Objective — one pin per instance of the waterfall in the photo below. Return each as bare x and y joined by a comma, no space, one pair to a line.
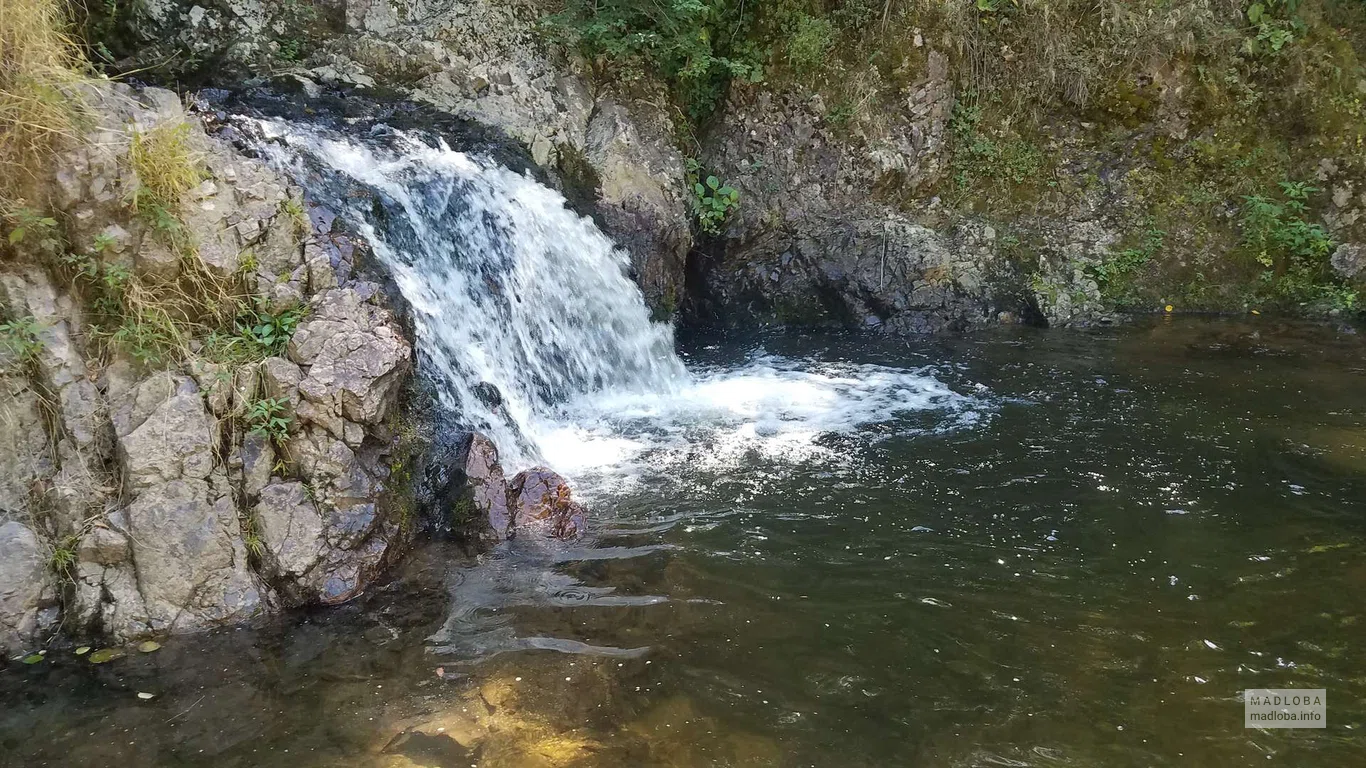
520,304
536,335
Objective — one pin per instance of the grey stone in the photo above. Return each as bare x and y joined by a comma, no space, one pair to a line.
26,587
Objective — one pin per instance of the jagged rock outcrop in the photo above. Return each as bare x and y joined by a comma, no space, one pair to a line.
28,595
325,536
818,240
484,61
152,495
536,502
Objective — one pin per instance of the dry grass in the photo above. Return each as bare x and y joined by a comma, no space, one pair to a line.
41,70
166,165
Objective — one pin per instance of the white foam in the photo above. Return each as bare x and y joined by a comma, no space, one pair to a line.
511,288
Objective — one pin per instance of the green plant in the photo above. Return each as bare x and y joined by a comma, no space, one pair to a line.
810,41
696,46
167,167
1275,24
270,417
266,333
32,229
1292,252
1115,274
20,338
294,209
64,557
712,200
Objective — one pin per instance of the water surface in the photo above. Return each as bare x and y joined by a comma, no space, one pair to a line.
1018,548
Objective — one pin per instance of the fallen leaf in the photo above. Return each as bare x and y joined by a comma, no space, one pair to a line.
147,646
83,650
145,696
33,658
106,654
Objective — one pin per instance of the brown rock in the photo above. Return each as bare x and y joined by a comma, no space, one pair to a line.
541,502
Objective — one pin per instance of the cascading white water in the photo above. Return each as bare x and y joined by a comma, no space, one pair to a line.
512,289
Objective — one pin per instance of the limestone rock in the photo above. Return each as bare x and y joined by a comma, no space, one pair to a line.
191,565
24,455
173,440
356,357
291,530
640,179
26,588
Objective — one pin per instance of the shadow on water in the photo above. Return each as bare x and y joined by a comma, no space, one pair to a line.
1079,556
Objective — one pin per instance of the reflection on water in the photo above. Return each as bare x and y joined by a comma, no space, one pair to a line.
1136,525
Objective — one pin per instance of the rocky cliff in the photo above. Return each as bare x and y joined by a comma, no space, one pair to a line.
908,167
197,393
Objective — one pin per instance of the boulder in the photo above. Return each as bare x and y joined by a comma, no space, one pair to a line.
27,592
291,531
480,501
542,504
355,356
189,557
165,433
1349,261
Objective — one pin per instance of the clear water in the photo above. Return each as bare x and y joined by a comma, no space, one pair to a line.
1018,548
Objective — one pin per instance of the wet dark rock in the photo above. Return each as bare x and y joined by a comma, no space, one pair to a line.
469,491
542,503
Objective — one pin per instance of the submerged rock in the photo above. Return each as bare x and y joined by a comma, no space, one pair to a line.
542,503
482,503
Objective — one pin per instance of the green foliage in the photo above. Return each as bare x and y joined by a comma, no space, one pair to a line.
1292,252
1115,275
20,338
979,156
64,557
696,46
270,417
1275,24
166,166
712,199
268,333
32,230
809,42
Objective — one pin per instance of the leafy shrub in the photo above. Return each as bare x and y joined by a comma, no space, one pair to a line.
20,338
696,46
270,417
712,200
1275,24
1292,252
810,42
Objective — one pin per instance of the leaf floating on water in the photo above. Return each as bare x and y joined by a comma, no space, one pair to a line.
146,696
106,654
148,646
1314,550
34,658
83,650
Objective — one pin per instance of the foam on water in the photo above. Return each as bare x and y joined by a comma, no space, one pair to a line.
511,288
